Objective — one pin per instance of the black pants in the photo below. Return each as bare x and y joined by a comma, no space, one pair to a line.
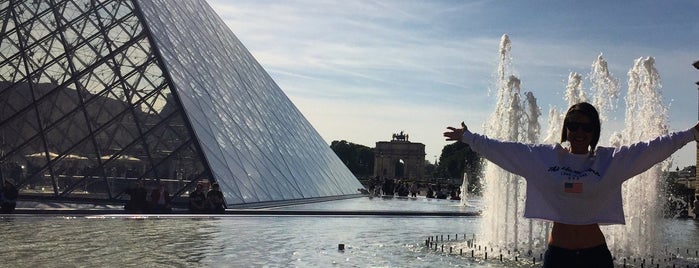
598,256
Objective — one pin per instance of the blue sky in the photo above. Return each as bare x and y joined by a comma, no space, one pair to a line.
363,70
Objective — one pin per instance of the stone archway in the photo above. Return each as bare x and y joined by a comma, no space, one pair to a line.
389,154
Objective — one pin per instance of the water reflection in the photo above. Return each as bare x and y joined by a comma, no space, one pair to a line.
225,241
255,241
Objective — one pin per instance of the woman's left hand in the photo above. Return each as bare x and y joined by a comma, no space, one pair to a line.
455,134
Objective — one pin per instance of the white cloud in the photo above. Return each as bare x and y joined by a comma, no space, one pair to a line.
362,70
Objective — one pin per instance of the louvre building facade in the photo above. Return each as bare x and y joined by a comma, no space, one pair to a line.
96,96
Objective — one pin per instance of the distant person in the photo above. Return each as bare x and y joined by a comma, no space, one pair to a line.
138,198
441,194
377,188
372,184
696,206
388,187
160,199
380,186
576,185
215,196
8,197
454,195
197,200
414,189
430,192
403,189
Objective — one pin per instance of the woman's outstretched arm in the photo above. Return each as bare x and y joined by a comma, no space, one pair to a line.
526,160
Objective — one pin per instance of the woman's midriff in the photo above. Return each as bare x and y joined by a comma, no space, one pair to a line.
576,236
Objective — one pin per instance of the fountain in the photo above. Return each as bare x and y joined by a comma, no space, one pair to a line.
646,118
464,190
517,120
503,225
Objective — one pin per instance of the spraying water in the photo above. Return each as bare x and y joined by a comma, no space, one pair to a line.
605,88
517,120
646,118
464,190
513,120
574,90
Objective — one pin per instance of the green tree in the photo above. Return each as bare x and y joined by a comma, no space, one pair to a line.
359,159
457,158
430,169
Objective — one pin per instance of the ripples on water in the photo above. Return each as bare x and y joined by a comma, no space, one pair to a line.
287,241
243,241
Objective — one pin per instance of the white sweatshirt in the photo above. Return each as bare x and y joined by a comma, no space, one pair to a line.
576,189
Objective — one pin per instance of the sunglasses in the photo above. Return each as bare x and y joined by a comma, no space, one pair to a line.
574,126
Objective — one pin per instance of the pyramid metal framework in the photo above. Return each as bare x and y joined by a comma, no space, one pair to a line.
98,95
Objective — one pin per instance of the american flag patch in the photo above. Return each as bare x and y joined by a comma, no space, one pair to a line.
573,187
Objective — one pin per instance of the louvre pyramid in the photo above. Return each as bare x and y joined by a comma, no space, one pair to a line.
97,95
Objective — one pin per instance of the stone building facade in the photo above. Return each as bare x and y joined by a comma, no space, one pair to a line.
399,158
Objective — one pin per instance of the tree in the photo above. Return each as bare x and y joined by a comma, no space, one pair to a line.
359,159
457,158
430,169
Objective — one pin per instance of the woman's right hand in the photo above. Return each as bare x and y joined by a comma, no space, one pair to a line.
455,134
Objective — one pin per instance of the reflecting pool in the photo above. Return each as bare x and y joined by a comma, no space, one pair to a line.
260,241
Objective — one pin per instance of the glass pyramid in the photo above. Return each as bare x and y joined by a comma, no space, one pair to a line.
98,95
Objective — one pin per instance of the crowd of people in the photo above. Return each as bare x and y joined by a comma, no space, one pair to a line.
144,201
390,187
201,200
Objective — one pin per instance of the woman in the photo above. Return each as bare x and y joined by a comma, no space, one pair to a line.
578,186
216,201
